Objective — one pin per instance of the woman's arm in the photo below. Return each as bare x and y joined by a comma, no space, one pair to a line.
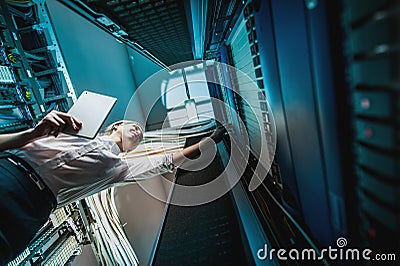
194,150
51,125
141,168
16,140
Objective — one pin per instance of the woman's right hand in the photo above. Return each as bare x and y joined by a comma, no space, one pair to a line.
219,133
54,122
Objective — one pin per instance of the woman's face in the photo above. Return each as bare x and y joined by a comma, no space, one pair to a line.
131,135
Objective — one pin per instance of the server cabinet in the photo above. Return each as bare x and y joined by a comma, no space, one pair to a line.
285,47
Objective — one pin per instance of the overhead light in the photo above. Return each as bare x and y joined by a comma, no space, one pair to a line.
105,21
199,23
120,33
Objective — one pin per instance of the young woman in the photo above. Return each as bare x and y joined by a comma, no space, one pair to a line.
42,169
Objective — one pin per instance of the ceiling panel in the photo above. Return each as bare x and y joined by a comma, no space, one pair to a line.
159,26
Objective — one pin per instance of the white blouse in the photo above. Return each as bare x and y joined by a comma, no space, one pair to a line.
74,167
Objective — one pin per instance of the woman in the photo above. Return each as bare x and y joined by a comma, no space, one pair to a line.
43,170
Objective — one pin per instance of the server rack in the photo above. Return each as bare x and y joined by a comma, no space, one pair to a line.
371,49
33,81
330,72
248,103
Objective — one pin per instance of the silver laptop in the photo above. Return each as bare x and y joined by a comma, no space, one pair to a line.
92,109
